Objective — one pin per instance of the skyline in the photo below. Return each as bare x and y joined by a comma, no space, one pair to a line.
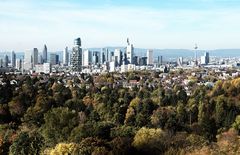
212,24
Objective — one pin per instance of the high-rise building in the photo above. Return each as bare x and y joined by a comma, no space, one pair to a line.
105,55
118,57
35,57
28,60
5,62
130,52
205,58
40,59
95,57
206,54
76,59
13,59
1,63
160,60
44,54
65,56
53,59
143,61
87,58
19,64
149,57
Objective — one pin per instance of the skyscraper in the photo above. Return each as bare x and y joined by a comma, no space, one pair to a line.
28,60
87,58
35,57
44,54
76,59
65,56
160,60
206,54
149,57
5,62
95,57
1,63
130,52
13,59
205,58
118,57
53,59
19,64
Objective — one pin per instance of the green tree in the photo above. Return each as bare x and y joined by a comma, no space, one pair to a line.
27,144
150,141
236,124
59,123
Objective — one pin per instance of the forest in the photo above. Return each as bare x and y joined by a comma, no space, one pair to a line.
90,115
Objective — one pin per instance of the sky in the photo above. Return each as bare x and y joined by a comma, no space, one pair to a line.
179,24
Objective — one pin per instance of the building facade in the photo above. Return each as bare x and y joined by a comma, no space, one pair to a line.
76,59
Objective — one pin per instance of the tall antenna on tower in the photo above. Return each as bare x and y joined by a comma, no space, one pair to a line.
195,48
128,41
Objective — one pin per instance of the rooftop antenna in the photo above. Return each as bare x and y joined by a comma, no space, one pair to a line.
128,41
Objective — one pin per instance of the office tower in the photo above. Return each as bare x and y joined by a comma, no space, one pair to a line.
136,60
160,60
1,63
76,59
35,57
205,58
149,57
5,62
44,54
105,55
206,54
130,52
40,59
87,58
118,57
95,57
19,64
108,56
57,59
53,59
65,56
13,59
28,60
143,61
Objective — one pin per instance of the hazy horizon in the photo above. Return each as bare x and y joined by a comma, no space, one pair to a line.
212,24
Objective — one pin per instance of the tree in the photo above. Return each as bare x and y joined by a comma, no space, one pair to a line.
90,145
59,123
150,141
130,116
206,122
26,144
236,124
63,148
75,104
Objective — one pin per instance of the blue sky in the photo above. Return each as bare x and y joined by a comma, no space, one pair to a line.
213,24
